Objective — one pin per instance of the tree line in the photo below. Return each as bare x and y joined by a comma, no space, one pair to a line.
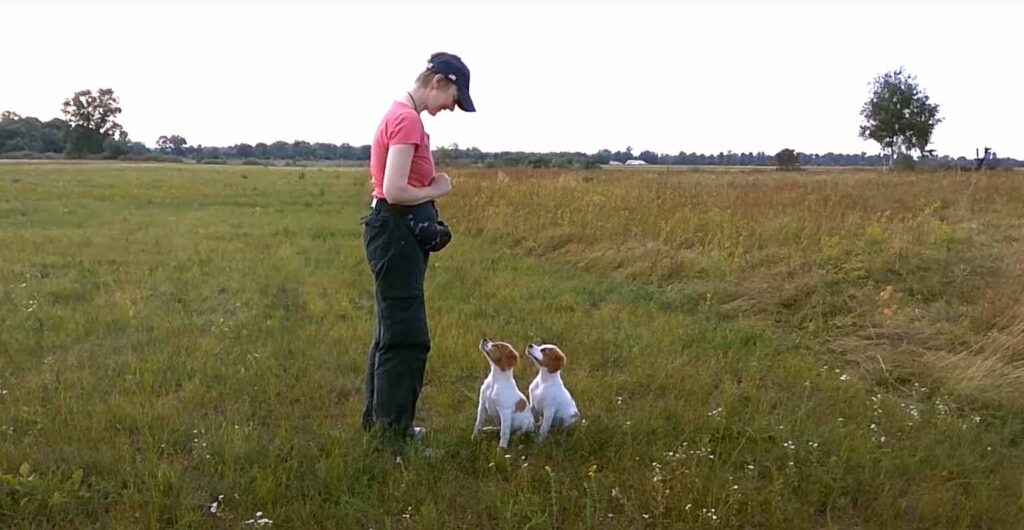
898,115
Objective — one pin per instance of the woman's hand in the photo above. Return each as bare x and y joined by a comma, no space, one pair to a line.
442,184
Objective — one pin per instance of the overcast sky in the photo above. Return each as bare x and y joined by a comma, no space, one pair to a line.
575,76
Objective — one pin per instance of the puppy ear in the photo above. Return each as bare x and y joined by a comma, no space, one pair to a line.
511,359
555,360
506,357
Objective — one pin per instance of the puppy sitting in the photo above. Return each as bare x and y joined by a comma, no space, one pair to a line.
499,395
549,398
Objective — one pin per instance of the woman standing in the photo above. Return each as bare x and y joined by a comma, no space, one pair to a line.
399,233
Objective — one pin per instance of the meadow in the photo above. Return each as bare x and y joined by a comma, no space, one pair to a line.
183,346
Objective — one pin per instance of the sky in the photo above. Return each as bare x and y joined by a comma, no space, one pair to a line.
545,76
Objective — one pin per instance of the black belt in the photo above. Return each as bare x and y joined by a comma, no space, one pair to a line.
384,205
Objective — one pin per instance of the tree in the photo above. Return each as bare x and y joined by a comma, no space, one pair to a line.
785,160
280,150
91,118
137,148
648,156
30,135
899,115
302,150
173,144
115,148
245,151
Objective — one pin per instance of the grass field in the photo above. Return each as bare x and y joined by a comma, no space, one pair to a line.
748,350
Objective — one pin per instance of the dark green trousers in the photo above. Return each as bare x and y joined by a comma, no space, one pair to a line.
401,341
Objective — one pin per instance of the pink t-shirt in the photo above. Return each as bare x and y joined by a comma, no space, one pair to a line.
401,125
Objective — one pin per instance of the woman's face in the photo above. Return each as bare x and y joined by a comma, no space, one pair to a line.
441,96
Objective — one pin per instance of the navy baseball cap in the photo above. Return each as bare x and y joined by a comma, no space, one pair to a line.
452,67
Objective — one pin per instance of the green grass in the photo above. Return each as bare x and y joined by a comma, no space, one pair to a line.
170,334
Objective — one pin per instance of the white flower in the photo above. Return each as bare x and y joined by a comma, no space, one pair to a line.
259,520
215,506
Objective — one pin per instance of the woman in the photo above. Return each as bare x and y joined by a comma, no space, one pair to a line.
400,231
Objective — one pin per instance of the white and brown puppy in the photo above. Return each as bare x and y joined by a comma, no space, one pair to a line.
499,396
549,398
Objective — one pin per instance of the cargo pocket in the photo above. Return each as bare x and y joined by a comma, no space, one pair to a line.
377,241
405,323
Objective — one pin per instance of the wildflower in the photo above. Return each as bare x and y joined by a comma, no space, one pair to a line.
215,506
259,520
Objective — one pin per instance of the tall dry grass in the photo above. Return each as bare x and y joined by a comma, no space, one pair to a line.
886,270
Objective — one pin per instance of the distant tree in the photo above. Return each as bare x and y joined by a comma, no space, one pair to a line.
603,156
116,147
280,149
302,150
28,134
173,144
786,159
209,152
648,156
137,148
325,151
91,118
899,115
245,151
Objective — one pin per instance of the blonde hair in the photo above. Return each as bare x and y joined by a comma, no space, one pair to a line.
427,76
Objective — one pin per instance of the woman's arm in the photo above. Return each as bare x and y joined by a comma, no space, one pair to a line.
396,178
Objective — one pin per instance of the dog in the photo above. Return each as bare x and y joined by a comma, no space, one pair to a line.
499,395
549,398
